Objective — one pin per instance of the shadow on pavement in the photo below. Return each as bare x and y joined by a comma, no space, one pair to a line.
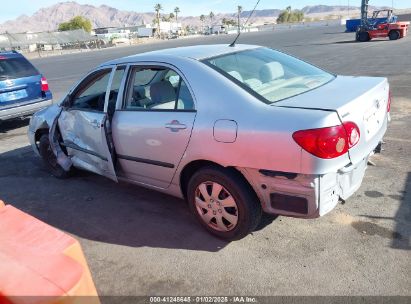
401,236
403,218
12,124
339,42
95,208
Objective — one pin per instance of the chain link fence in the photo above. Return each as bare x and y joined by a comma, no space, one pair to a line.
47,41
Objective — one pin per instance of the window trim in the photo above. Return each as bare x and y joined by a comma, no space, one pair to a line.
77,87
126,87
110,84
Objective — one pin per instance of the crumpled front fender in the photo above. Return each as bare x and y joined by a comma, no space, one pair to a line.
47,119
62,159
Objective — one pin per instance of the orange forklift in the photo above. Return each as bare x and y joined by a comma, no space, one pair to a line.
369,30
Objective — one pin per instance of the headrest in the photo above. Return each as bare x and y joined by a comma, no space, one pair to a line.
161,92
271,71
236,75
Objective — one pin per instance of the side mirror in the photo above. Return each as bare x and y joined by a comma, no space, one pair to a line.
66,102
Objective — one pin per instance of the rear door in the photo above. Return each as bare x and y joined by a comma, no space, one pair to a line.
152,127
20,82
84,124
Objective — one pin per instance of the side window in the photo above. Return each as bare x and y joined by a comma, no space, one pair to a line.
157,88
115,87
91,93
185,100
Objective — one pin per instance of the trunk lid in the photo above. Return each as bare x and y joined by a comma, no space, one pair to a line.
22,90
362,100
20,82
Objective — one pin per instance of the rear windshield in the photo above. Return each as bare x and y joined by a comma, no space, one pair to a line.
16,68
270,75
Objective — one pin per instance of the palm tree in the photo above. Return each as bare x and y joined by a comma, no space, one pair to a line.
158,7
177,10
239,10
202,19
211,16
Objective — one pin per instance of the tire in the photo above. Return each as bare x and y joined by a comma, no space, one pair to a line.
394,35
232,212
363,36
49,158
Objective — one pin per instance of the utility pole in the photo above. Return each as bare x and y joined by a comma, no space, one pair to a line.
239,10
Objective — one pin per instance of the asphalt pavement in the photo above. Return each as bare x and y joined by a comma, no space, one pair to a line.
140,242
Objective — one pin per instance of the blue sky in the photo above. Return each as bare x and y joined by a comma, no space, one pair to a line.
16,8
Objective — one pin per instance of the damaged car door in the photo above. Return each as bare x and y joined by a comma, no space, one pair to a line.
84,123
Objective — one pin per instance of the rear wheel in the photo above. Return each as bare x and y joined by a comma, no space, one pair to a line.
394,35
223,203
363,36
49,159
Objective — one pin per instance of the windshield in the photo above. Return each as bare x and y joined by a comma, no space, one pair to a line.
269,74
16,68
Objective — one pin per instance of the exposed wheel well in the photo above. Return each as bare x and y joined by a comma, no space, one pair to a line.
196,165
39,133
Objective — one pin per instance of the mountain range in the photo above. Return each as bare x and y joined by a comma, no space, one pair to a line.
48,19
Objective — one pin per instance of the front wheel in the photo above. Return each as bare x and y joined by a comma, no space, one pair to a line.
394,35
224,203
49,159
363,36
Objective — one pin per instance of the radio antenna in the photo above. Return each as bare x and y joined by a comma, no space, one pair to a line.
239,33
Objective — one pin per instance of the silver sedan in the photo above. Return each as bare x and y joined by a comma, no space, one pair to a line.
236,131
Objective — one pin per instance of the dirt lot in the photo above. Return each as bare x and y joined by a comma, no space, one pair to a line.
139,242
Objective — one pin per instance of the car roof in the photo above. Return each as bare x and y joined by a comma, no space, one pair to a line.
10,54
197,52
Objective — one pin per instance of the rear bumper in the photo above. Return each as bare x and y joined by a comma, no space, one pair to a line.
25,109
304,195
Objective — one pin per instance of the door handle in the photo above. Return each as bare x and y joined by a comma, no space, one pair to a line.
175,125
95,124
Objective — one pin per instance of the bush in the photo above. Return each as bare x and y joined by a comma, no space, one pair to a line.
76,23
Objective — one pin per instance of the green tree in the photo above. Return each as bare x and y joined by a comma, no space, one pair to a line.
290,16
158,7
76,23
177,11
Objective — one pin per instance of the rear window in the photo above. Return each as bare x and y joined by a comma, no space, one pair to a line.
16,68
269,75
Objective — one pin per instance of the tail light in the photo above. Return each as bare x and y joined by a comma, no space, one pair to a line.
330,142
389,102
353,133
44,84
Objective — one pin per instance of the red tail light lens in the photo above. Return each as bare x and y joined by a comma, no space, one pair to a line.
389,102
330,142
353,133
44,84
